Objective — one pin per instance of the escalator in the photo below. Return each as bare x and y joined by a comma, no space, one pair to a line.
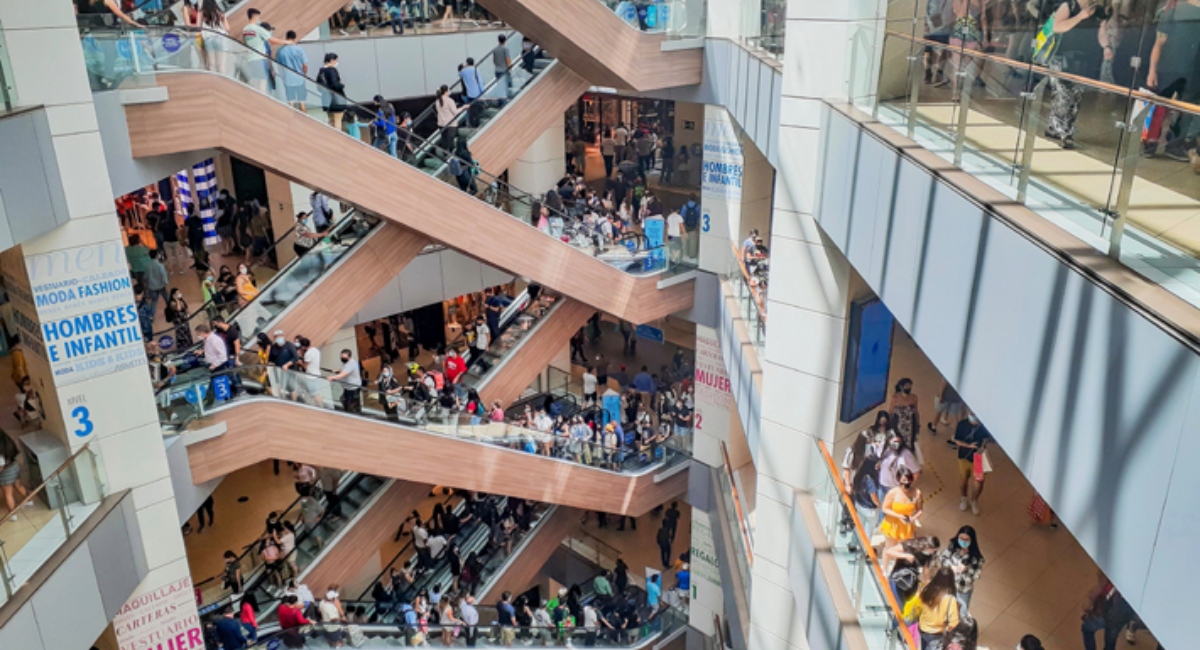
608,50
440,446
489,223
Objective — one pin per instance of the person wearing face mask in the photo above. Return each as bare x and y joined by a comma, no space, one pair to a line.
896,456
902,508
906,420
282,354
350,377
177,313
390,388
962,556
246,289
970,437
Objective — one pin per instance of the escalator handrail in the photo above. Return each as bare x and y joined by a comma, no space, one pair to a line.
389,565
452,88
513,192
662,453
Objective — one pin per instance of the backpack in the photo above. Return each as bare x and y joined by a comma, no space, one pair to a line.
691,216
455,166
906,579
439,380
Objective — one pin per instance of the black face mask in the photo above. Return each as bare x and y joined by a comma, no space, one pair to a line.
345,359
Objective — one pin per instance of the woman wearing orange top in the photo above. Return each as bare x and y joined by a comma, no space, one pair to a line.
902,508
246,289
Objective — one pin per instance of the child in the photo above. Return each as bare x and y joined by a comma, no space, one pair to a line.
352,125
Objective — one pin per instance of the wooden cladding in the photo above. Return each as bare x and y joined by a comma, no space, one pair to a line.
591,40
284,15
538,108
507,382
366,536
352,283
261,429
224,114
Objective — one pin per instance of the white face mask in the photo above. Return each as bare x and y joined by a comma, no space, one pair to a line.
279,340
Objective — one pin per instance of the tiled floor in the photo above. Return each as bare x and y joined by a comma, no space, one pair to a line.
639,548
1035,579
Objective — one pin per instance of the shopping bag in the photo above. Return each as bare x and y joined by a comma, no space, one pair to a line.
1039,510
977,467
987,461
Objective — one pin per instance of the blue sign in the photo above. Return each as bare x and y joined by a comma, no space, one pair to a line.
172,42
654,228
612,408
83,418
221,388
124,49
650,333
166,342
195,393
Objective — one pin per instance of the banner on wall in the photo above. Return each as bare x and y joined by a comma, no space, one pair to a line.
714,398
87,325
707,598
160,619
721,172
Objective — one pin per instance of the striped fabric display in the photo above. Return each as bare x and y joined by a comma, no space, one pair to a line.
205,174
185,191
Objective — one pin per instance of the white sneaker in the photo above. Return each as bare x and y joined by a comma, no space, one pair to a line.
962,505
975,508
343,32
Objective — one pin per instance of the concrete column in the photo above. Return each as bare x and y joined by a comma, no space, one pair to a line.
73,301
540,167
809,294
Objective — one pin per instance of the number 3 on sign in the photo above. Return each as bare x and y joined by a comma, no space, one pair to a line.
82,417
706,226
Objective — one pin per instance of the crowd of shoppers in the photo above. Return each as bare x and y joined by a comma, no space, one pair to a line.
1151,46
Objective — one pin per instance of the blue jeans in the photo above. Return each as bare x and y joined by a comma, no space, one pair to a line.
964,601
393,140
1093,625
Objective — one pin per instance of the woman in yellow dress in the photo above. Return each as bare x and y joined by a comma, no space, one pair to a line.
902,509
246,289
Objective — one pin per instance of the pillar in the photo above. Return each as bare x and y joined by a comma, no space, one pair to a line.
73,302
541,166
802,375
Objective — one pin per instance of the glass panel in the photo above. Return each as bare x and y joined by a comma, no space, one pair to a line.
739,526
411,17
317,522
7,90
749,284
513,331
874,602
184,401
47,515
681,18
116,59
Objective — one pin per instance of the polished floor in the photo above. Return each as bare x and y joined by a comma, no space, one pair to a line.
1035,578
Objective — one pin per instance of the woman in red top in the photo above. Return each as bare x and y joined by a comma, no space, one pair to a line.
290,614
250,618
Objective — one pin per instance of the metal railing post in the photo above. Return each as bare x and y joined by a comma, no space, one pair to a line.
915,61
1033,116
1129,154
967,83
5,576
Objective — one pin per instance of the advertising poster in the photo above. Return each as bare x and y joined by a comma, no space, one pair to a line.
160,619
714,398
706,594
87,324
720,189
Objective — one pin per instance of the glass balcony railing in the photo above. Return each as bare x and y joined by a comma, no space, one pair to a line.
875,605
120,59
49,514
1096,131
743,544
185,401
749,284
675,18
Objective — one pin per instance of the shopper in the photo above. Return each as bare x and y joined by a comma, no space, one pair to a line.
964,558
1108,611
333,91
350,376
294,61
501,61
282,354
970,439
948,408
1175,72
385,134
905,418
447,113
470,619
1081,37
247,288
214,36
230,630
902,507
939,609
472,84
257,37
307,234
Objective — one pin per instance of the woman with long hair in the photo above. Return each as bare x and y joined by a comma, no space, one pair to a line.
963,557
247,288
447,112
939,609
906,420
215,37
177,312
901,508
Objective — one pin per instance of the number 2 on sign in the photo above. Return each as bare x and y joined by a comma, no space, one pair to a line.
699,419
82,417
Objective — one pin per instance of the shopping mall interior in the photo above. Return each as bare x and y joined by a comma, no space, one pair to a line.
643,324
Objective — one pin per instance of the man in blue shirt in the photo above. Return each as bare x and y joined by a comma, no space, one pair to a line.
507,617
653,591
295,63
472,86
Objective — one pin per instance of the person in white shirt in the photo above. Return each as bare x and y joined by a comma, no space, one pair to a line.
437,545
589,385
675,236
542,421
216,353
482,340
420,536
621,135
313,383
350,377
